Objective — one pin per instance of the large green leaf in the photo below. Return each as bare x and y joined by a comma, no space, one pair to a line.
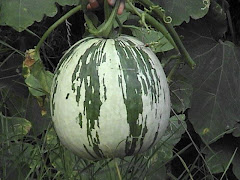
20,14
183,10
181,94
216,81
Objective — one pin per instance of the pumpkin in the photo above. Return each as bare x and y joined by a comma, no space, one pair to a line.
109,98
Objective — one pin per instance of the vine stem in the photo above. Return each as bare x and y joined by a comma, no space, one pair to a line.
180,47
151,20
173,70
178,56
107,9
56,24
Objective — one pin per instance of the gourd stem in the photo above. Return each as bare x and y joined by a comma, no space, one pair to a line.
56,24
107,9
120,25
160,13
105,29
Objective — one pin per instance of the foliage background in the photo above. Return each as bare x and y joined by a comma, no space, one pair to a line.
203,137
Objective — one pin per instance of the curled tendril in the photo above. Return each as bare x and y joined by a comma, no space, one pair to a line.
206,4
146,10
166,19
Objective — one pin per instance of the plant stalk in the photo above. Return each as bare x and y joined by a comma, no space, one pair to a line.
173,70
107,9
105,29
56,24
151,20
171,30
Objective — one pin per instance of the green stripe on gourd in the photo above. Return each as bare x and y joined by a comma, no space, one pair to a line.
110,98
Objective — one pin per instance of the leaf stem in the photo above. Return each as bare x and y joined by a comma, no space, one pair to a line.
160,13
173,70
178,56
56,24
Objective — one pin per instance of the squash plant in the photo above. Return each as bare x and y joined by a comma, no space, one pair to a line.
199,56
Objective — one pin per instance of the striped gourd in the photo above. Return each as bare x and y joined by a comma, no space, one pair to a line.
110,98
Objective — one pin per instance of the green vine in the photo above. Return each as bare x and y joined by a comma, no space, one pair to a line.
105,29
178,56
173,70
151,20
166,19
52,27
156,10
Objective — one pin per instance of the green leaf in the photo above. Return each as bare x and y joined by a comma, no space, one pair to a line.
27,107
165,148
64,161
34,86
61,158
236,131
183,10
236,169
154,39
51,137
219,156
21,14
216,82
175,130
34,113
39,80
43,78
181,93
16,160
171,137
15,127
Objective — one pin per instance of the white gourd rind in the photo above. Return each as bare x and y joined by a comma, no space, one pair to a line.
110,98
